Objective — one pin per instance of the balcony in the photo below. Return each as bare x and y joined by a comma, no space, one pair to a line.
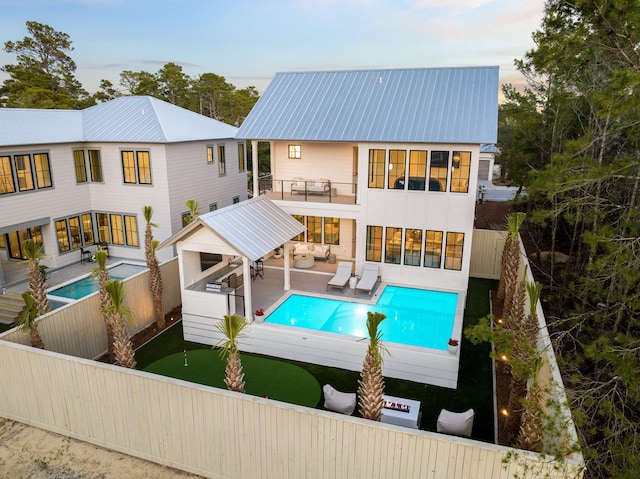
306,189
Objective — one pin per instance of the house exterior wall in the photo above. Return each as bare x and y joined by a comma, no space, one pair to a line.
424,210
179,171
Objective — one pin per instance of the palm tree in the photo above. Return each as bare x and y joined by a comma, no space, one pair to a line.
122,347
524,356
194,210
371,382
530,435
231,327
26,321
34,253
155,277
105,299
510,261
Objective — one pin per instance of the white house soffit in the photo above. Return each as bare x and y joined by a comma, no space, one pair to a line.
443,105
25,225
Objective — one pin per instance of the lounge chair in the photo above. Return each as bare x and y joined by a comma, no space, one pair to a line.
370,278
341,278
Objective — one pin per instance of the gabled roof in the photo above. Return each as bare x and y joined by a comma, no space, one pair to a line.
135,119
440,105
253,227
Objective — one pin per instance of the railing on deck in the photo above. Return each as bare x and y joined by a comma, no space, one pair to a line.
316,190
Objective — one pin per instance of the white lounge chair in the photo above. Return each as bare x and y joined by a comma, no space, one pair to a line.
341,278
338,401
370,277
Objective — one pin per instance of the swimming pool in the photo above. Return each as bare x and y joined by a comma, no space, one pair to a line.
85,286
415,317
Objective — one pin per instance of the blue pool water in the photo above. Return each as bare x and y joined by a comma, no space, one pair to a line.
87,285
415,317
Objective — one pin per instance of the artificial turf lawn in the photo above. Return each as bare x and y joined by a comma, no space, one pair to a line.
263,376
475,384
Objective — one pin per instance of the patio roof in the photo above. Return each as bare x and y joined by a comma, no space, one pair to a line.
253,227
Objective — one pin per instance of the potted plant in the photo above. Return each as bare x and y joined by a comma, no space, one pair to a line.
453,345
277,253
259,315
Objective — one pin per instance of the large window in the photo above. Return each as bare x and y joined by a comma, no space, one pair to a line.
241,162
131,230
24,172
438,171
43,170
210,155
299,237
7,184
79,165
397,166
117,229
393,245
222,165
63,235
460,168
376,168
432,249
412,247
374,243
87,228
95,166
74,230
332,231
102,219
295,152
453,251
417,170
136,167
314,229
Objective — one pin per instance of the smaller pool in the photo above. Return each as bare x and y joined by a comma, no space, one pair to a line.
415,317
85,286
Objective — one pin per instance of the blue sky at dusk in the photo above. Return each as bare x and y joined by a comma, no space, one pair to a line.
248,41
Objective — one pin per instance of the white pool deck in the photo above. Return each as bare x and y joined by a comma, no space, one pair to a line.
427,366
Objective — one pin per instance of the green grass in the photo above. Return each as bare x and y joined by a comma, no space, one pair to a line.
475,386
263,376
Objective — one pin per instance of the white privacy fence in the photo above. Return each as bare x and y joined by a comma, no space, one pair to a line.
217,433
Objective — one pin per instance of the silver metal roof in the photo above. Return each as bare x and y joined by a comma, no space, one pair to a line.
440,105
254,227
136,119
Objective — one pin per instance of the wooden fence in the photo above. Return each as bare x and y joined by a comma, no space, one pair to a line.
221,434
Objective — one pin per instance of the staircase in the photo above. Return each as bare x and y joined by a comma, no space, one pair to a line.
10,306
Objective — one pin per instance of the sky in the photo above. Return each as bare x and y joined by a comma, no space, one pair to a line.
248,41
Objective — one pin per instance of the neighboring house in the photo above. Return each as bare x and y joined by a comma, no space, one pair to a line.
487,161
381,165
71,179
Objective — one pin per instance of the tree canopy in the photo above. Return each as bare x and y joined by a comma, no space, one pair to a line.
572,137
44,77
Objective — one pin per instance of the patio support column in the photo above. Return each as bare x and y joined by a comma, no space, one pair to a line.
246,274
254,168
287,268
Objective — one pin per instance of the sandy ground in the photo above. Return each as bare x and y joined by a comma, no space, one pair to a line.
31,453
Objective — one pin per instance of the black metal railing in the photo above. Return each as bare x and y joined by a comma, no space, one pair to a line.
316,190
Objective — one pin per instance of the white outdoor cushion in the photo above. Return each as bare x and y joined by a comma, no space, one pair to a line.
337,401
321,248
458,423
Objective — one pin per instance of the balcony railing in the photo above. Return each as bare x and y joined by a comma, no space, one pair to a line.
315,190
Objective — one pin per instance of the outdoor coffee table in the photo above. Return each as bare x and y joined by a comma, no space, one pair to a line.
303,261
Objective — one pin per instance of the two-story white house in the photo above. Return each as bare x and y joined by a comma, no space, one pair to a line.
381,165
72,179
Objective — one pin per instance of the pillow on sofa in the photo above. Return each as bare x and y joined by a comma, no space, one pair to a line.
299,246
310,247
322,249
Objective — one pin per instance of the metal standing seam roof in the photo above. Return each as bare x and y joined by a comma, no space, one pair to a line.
135,119
440,105
253,227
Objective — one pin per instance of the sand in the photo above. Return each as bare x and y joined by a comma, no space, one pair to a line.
31,453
